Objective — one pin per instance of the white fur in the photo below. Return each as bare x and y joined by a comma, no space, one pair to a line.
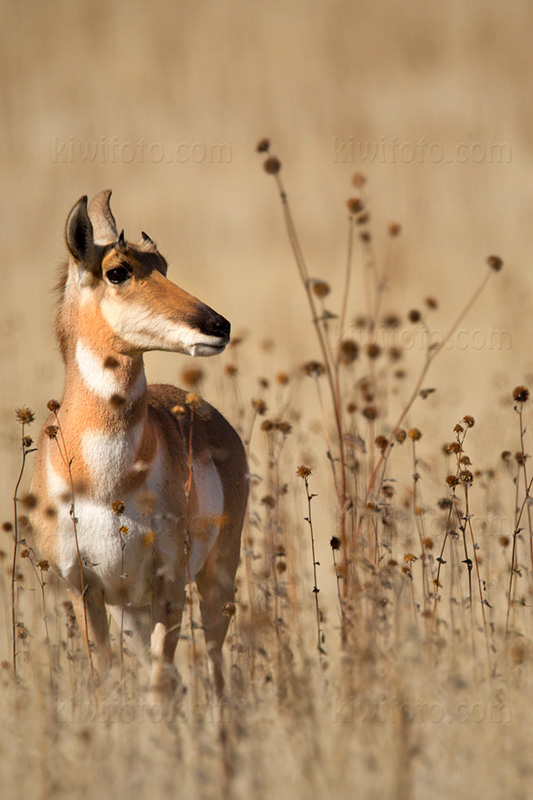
210,497
99,542
145,330
110,456
102,381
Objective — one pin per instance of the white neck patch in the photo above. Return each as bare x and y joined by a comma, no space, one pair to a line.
101,380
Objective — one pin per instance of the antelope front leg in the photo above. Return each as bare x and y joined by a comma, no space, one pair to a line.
167,611
92,621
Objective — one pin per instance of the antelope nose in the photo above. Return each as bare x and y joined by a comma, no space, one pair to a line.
220,327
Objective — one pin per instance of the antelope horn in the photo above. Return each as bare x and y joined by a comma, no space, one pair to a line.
103,221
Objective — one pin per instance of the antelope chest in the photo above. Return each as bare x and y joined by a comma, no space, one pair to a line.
116,550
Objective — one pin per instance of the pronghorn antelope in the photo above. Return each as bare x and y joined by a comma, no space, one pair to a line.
179,470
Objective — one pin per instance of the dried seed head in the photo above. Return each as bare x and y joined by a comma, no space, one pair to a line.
284,427
370,413
229,609
495,263
358,180
118,507
506,455
192,376
391,321
349,351
264,383
314,369
381,443
269,501
263,145
320,288
414,434
431,303
193,400
123,530
414,316
259,406
466,477
400,435
303,471
504,541
282,378
53,405
395,353
267,425
231,370
458,429
27,441
469,421
24,415
43,564
520,394
272,165
335,543
51,431
355,205
351,408
395,228
7,527
373,350
520,457
452,481
149,539
29,501
179,411
427,543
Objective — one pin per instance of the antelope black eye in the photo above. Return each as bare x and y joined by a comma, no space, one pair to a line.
117,275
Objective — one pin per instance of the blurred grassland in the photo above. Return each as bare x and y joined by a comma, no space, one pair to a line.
308,75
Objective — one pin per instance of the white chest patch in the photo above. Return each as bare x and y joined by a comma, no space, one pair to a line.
125,573
210,498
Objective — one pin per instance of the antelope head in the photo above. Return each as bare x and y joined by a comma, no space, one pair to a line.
126,286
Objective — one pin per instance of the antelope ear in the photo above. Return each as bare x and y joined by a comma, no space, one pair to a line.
79,232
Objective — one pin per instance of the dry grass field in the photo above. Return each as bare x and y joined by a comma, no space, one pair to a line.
409,674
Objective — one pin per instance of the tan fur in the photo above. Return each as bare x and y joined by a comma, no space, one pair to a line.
125,442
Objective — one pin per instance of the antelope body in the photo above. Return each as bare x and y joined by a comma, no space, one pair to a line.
179,470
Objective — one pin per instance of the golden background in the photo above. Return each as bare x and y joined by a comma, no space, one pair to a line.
84,85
